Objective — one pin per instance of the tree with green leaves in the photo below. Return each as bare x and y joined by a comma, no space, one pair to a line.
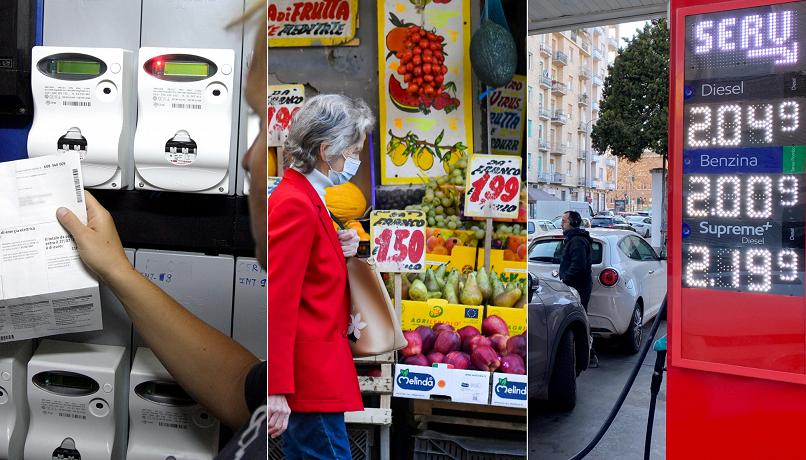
635,100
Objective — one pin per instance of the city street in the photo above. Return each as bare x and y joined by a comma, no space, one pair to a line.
556,436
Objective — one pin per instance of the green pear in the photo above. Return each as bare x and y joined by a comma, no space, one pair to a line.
471,294
498,286
484,283
508,298
418,291
431,281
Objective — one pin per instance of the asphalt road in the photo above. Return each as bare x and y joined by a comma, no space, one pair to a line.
561,435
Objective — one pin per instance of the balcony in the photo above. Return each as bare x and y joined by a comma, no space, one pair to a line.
545,177
561,58
557,178
544,114
584,99
559,88
545,49
596,157
585,74
598,31
595,106
559,118
585,47
582,127
612,43
597,54
596,184
582,154
582,182
610,162
543,145
597,80
558,148
610,185
545,81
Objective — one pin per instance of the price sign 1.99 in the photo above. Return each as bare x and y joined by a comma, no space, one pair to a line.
493,186
398,240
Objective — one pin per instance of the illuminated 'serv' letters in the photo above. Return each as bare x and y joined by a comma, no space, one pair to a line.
758,36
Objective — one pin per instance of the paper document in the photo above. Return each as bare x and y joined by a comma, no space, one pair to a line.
45,289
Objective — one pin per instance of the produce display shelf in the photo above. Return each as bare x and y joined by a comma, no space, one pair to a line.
428,412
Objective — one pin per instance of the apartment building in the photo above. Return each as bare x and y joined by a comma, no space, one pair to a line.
566,72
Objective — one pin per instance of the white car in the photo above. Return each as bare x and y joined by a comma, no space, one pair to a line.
641,224
558,222
629,281
536,227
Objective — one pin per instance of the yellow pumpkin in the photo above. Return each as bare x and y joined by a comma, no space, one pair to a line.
271,168
346,201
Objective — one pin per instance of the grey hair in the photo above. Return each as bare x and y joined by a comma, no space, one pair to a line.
336,120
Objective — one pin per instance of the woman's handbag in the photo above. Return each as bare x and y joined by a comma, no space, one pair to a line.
374,327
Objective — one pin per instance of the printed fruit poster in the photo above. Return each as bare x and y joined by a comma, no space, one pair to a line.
425,88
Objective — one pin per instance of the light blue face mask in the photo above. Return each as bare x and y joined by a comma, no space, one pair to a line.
347,172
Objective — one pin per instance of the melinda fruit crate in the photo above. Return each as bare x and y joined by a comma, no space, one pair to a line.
463,353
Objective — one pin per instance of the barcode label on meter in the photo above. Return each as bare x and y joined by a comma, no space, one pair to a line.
187,106
77,183
77,103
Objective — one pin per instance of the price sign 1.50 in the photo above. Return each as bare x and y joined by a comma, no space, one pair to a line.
398,240
493,186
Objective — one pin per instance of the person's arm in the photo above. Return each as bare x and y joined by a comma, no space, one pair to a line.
207,364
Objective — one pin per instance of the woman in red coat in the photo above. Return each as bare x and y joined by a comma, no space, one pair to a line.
312,378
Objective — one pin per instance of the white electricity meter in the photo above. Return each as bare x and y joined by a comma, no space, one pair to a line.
77,397
165,421
184,126
85,102
14,358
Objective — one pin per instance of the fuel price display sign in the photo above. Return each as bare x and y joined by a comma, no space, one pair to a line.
744,149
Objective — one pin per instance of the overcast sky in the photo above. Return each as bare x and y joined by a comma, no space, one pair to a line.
628,29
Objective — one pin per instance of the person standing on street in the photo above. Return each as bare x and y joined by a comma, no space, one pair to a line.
575,262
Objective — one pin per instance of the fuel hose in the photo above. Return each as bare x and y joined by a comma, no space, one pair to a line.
627,386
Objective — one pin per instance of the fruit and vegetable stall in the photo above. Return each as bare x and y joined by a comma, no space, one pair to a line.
444,220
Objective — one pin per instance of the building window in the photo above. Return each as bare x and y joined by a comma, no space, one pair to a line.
529,128
530,60
529,97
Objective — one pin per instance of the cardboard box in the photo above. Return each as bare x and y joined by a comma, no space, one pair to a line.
512,269
462,258
510,390
440,382
514,317
433,311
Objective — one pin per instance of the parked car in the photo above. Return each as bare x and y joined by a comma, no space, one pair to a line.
641,224
558,222
611,222
629,281
536,227
558,341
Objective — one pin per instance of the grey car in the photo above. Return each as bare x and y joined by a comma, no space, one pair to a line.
558,341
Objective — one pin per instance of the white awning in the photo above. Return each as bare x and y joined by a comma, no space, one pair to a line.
558,15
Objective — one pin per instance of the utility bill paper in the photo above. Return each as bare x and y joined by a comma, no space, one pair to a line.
45,289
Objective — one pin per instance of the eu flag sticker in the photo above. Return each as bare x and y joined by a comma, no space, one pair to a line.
471,312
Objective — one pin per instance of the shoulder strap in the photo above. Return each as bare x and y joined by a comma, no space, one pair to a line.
337,220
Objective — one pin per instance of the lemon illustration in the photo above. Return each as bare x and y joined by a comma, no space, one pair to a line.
424,159
395,149
451,159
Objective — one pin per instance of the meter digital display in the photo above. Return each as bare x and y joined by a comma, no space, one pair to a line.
744,150
78,67
192,69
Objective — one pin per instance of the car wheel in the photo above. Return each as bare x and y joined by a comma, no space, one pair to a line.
631,340
563,384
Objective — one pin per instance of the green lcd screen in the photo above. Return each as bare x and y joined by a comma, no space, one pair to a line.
186,69
78,67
